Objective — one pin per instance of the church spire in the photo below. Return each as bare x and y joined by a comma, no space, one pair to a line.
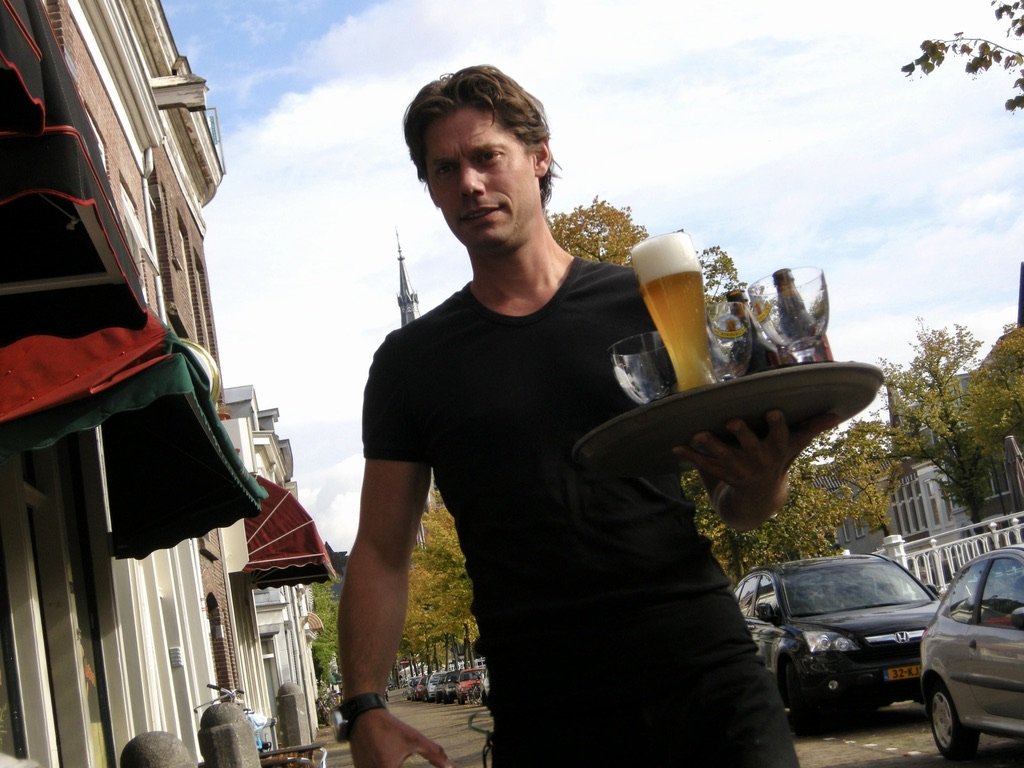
408,301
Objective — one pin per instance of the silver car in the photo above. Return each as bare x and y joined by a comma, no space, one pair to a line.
972,655
434,687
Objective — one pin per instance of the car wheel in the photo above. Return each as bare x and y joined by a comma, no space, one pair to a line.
954,740
802,717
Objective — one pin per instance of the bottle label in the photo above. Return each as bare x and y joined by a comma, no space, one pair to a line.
730,329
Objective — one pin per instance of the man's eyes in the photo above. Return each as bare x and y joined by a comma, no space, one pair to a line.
482,158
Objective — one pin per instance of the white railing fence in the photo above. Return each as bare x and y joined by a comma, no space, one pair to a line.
935,560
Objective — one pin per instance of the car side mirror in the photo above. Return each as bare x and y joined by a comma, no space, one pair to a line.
767,612
1017,618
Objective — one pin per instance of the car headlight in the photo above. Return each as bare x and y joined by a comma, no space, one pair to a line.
819,642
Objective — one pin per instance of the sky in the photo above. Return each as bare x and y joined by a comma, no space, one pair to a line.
783,132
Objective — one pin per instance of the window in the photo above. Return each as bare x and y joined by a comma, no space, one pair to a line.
1003,593
766,595
745,595
964,593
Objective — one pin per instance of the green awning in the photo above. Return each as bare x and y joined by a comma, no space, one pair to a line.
172,472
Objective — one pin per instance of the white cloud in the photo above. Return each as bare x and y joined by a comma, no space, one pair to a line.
784,134
331,496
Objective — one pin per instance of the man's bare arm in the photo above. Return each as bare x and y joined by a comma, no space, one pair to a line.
372,608
749,481
371,612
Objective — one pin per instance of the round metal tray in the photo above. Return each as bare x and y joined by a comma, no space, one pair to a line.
640,442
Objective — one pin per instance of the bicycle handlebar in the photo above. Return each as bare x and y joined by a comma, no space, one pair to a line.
226,691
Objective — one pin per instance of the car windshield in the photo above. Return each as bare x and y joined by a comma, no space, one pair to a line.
849,585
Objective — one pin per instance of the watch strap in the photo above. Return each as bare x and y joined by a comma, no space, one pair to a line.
351,708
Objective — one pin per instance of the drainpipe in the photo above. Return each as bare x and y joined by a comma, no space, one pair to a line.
148,166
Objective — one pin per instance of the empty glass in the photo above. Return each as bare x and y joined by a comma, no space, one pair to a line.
730,338
643,367
792,308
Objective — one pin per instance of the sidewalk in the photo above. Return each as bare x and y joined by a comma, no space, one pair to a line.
448,724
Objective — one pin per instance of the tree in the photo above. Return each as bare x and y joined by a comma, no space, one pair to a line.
719,272
440,592
863,471
842,474
928,404
996,403
981,54
325,646
599,232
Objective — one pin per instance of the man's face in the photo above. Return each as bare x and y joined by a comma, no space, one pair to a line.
484,180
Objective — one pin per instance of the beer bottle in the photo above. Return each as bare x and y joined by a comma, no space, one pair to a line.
795,321
764,355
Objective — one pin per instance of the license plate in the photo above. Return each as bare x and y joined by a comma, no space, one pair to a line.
902,673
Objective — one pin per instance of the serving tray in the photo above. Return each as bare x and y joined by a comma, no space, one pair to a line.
639,442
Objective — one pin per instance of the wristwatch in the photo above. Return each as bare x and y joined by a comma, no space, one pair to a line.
351,708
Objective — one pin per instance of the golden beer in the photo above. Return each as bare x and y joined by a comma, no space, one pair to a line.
673,290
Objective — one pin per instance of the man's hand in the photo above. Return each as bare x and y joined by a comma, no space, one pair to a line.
748,480
381,740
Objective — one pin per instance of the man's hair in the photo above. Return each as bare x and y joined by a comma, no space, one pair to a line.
485,88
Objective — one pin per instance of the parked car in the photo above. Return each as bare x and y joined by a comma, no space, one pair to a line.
417,688
469,686
433,686
972,656
448,688
838,632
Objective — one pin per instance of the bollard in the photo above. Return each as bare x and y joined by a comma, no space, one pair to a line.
226,740
154,749
292,719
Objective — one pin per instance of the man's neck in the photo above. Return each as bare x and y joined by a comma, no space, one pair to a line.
519,284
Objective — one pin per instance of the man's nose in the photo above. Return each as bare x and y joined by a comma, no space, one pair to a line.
471,181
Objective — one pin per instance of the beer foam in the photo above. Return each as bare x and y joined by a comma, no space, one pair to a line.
664,255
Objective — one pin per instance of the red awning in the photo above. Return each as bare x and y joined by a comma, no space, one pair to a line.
21,79
66,269
172,472
284,544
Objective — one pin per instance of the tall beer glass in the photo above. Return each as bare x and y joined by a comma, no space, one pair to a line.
673,290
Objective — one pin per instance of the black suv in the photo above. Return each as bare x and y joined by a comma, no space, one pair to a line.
838,632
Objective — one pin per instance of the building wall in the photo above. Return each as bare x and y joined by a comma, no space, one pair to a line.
98,651
180,255
217,605
121,156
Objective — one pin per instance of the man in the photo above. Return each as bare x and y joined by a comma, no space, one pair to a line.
599,584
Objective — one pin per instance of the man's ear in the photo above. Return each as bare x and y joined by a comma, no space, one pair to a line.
541,159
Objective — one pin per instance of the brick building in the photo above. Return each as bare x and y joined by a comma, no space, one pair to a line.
124,492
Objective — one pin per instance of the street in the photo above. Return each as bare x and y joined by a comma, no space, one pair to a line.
891,737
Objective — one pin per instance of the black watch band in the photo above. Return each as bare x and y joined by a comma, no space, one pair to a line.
351,708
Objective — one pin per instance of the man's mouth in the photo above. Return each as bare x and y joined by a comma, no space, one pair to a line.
477,213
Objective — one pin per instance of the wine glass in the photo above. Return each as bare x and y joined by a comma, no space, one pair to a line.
792,307
643,367
730,338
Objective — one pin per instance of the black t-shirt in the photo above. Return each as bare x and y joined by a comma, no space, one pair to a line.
494,404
